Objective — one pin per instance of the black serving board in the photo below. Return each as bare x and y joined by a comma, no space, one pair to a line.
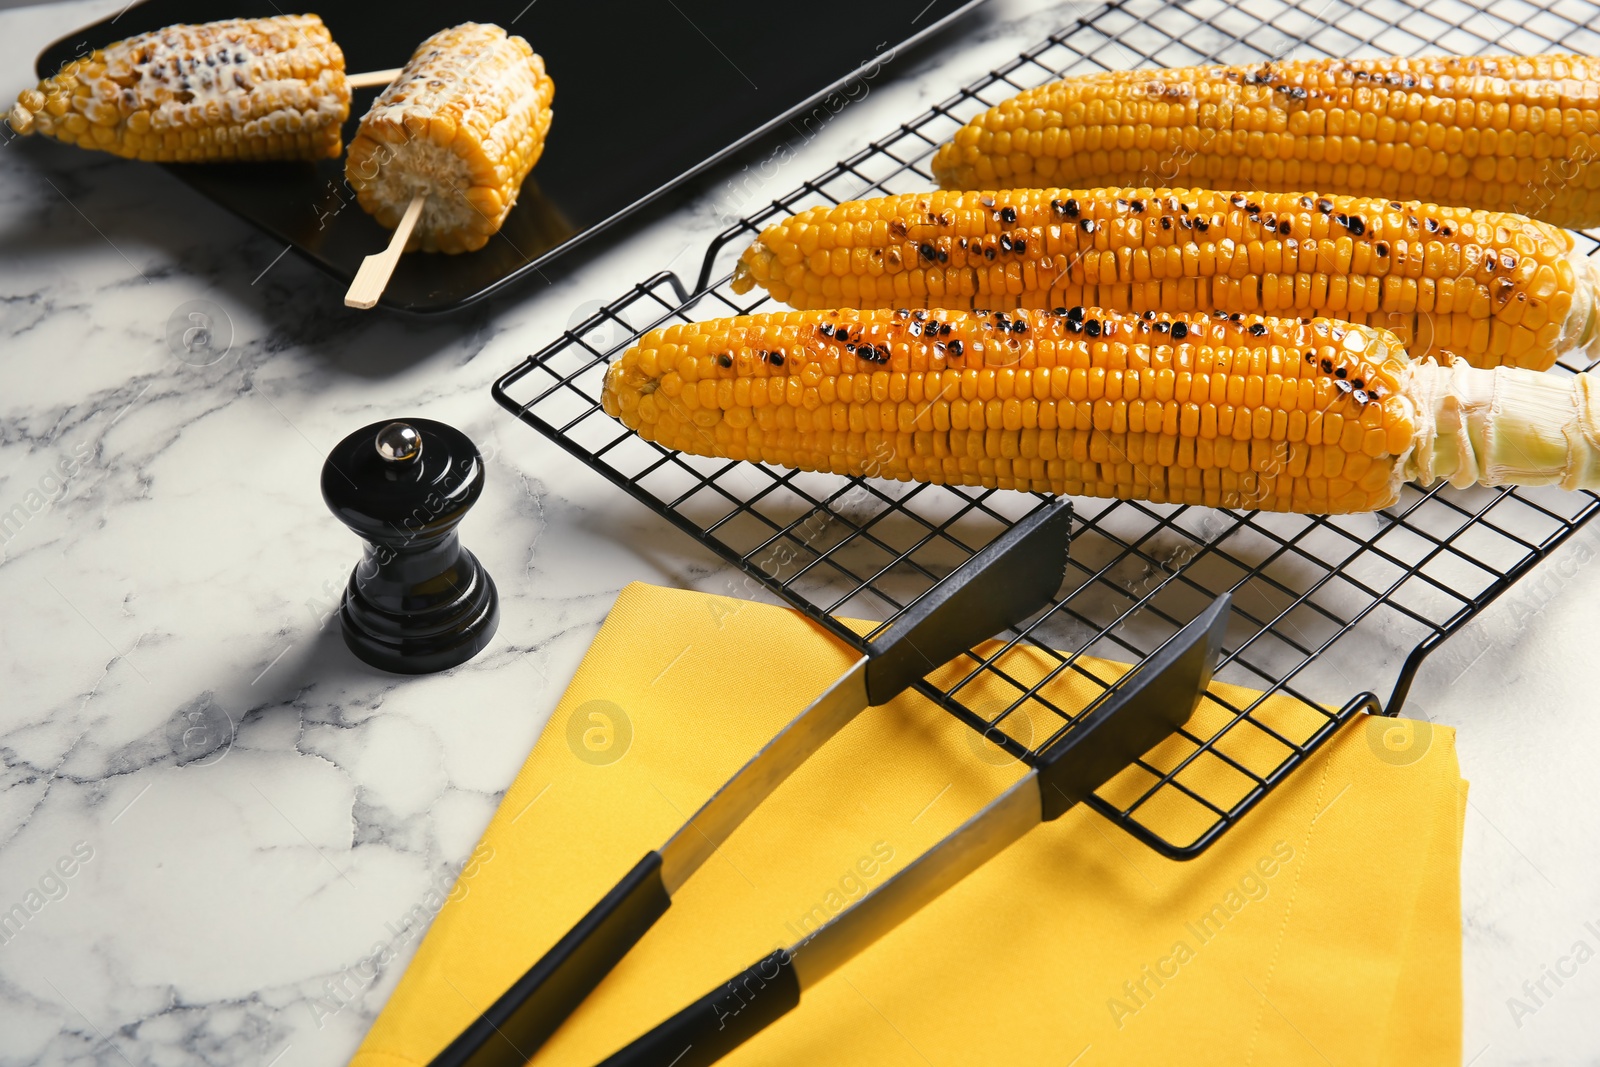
647,94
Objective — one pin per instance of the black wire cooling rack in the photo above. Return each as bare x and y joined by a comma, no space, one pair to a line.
1323,606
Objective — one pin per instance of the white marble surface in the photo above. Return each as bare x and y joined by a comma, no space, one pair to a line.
162,599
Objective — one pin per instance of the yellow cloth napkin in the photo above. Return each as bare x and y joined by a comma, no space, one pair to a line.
1325,927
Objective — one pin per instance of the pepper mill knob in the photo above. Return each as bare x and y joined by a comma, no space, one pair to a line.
418,602
398,442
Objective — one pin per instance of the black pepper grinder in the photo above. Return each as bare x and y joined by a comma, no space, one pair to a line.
418,602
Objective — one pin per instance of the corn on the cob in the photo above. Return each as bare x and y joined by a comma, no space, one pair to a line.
1490,287
1310,416
463,123
242,89
1501,133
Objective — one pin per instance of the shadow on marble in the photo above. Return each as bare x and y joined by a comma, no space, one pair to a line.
679,560
320,674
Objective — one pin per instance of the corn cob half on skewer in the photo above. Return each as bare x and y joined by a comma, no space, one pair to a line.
241,89
1314,416
462,125
1491,287
1501,133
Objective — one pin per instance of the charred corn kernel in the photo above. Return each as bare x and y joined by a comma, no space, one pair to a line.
242,89
463,123
1501,133
1172,250
1160,407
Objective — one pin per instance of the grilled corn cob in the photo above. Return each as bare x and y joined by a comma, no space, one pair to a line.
1310,416
243,89
463,123
1490,287
1501,133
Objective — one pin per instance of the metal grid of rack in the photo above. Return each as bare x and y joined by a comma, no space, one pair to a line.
1324,606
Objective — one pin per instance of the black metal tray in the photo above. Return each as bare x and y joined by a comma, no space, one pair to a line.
647,95
1326,609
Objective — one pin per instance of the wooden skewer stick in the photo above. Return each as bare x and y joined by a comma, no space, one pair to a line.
374,274
372,78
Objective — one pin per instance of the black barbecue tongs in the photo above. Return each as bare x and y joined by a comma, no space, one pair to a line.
1145,706
997,589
